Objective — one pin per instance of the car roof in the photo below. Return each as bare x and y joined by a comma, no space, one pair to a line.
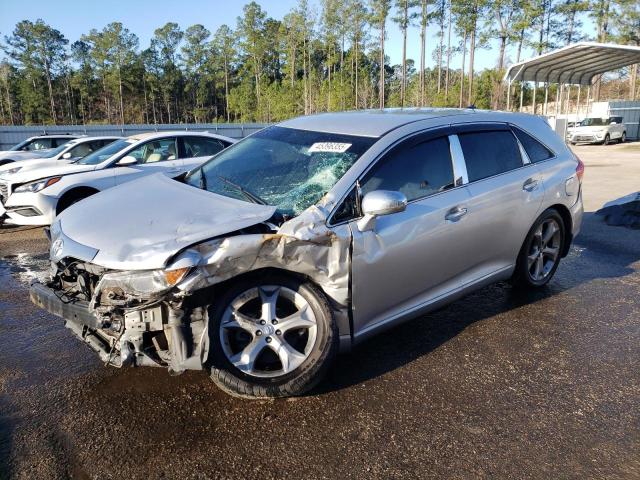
176,133
55,135
376,123
75,141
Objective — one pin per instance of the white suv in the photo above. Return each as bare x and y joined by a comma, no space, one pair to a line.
598,130
36,196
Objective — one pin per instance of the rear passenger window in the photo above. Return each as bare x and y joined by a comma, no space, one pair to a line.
489,153
417,170
535,150
201,146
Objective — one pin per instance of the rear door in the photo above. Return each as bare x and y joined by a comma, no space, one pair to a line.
506,193
154,156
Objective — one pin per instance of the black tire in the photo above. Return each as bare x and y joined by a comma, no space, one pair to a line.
296,382
522,276
623,138
607,140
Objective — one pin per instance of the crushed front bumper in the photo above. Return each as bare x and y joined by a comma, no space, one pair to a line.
145,337
80,321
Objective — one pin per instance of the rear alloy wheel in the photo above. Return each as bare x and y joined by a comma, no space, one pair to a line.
623,138
271,338
540,255
607,139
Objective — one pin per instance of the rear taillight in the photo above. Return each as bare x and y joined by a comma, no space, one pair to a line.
580,169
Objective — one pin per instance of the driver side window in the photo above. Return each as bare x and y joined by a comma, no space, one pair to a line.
417,169
155,151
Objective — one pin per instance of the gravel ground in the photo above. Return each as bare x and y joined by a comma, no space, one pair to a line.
500,384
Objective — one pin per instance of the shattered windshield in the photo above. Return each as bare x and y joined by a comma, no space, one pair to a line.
284,167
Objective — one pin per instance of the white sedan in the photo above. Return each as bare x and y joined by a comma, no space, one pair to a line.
68,152
35,196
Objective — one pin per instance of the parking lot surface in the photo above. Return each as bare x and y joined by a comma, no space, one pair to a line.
499,384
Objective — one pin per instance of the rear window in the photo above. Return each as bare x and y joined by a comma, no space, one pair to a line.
535,150
489,153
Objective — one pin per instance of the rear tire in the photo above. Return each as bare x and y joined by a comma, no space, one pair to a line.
623,138
270,336
540,254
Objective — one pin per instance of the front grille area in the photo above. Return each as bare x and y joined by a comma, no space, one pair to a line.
4,192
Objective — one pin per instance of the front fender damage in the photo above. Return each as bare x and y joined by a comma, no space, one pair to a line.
303,245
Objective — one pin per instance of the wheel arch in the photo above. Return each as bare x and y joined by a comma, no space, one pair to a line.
73,193
563,211
203,296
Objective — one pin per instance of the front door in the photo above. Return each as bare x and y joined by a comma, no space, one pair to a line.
416,255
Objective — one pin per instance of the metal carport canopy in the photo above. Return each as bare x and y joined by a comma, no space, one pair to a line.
575,64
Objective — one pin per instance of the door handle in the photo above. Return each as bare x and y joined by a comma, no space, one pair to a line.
530,185
455,214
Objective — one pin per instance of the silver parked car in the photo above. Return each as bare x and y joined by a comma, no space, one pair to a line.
308,237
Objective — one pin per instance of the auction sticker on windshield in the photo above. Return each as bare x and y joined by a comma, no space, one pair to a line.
329,147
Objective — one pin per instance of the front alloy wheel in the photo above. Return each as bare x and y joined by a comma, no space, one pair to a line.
270,338
268,331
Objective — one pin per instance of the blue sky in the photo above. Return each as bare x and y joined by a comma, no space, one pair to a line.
75,17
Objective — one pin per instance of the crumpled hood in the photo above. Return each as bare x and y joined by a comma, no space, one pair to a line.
48,169
141,224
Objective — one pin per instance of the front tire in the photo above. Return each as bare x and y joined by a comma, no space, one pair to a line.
270,337
607,140
540,254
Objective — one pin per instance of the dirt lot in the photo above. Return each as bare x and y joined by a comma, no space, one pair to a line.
499,384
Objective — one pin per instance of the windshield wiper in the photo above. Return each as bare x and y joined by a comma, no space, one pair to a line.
203,181
246,193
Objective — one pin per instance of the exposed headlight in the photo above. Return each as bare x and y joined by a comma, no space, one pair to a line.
37,186
144,282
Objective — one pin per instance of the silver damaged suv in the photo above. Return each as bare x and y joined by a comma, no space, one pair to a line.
309,236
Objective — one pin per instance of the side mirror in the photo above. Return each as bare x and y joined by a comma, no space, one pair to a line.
67,155
380,202
127,160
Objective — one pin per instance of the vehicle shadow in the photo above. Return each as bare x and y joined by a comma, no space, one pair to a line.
6,432
600,251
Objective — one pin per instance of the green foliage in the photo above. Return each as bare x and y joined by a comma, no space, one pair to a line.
312,60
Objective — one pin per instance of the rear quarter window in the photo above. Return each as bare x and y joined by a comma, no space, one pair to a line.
535,150
489,153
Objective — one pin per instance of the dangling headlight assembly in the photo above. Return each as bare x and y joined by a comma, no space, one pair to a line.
144,282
